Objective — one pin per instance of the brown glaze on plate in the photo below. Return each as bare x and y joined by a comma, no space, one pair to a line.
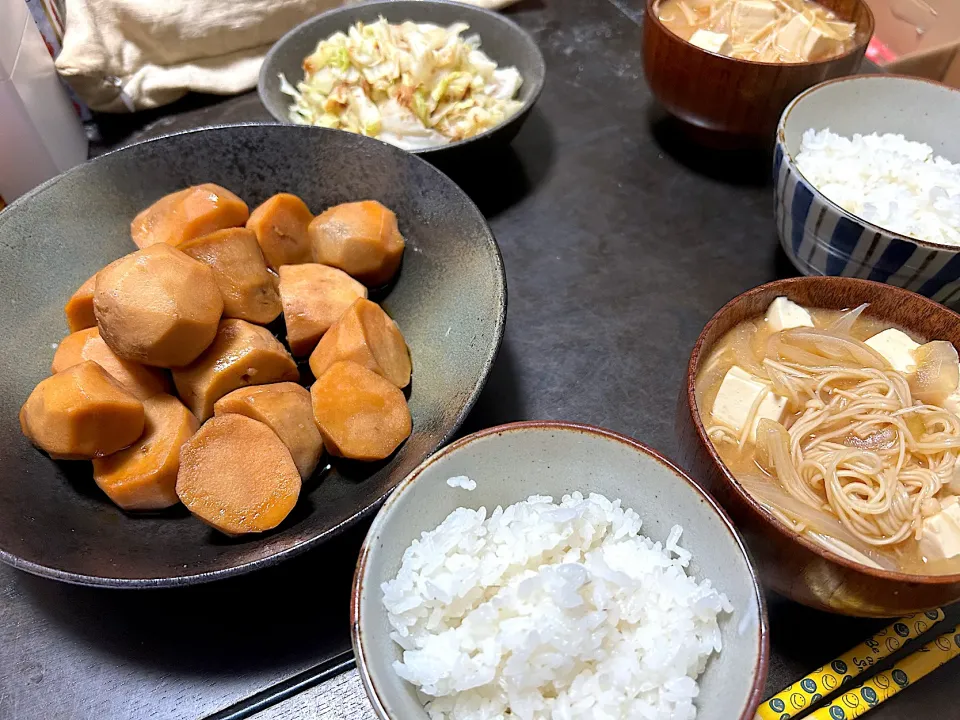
449,300
787,563
721,96
509,464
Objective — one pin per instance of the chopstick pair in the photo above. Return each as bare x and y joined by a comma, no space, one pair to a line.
810,690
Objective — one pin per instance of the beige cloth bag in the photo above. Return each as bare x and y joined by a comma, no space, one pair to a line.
126,55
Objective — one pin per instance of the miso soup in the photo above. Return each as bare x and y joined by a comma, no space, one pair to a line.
776,31
845,428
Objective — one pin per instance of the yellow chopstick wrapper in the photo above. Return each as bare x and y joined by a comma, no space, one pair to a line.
825,680
888,683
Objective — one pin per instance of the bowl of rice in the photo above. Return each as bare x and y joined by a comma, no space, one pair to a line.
547,569
867,183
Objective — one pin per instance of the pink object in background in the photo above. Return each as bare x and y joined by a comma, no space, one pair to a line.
40,133
878,52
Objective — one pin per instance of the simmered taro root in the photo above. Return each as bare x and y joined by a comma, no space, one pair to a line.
144,476
79,308
285,408
314,297
157,306
360,238
186,214
280,224
249,290
242,354
361,415
237,475
81,413
366,335
70,350
139,380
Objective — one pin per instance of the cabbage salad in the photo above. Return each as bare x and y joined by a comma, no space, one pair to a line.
412,85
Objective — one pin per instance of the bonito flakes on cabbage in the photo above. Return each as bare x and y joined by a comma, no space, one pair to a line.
412,85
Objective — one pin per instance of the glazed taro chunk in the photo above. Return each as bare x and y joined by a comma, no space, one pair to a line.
157,306
187,214
144,476
285,408
361,415
280,225
314,297
248,289
81,413
236,475
360,238
79,308
366,335
242,354
139,380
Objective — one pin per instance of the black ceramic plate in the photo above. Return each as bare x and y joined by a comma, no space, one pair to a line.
504,41
449,300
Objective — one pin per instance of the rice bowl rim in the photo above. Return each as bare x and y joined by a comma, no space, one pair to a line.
700,352
792,164
357,638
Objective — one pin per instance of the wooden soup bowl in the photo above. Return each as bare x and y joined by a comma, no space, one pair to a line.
732,101
788,563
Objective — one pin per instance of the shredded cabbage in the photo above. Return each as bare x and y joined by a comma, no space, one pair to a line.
412,85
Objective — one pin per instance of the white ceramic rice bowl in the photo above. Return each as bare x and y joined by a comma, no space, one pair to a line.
513,462
819,236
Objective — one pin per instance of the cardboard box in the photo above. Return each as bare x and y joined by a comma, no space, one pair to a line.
917,37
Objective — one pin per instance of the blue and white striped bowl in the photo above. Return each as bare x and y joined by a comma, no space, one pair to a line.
819,236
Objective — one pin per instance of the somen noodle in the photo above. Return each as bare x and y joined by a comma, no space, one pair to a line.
871,446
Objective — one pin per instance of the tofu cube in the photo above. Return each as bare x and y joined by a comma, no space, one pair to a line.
784,314
711,41
750,16
940,534
897,349
738,392
799,37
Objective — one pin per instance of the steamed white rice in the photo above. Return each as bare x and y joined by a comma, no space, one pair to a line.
886,180
546,610
462,482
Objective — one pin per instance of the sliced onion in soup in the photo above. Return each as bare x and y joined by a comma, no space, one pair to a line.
816,520
809,346
845,550
773,454
744,336
937,373
779,349
843,325
782,384
768,432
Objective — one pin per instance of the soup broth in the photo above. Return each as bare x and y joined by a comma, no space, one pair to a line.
853,439
776,31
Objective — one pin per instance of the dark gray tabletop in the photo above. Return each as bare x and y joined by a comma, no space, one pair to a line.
620,241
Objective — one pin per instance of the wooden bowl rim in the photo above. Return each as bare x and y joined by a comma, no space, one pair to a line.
783,287
859,47
792,164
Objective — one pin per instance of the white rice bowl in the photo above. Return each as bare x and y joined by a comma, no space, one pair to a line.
546,610
887,180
